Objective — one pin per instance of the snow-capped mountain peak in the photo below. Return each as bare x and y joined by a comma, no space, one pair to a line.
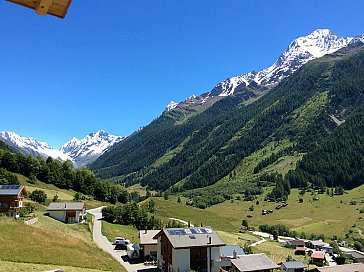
81,152
88,149
301,50
29,146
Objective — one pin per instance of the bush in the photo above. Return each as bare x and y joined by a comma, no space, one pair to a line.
28,209
38,196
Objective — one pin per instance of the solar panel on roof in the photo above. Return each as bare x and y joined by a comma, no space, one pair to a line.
7,187
189,231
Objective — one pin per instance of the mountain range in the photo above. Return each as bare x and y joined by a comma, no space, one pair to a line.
315,45
81,152
247,127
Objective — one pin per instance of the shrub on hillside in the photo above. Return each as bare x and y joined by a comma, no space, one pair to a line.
38,196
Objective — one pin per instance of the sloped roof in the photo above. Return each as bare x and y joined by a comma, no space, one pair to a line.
357,267
318,243
295,242
318,255
356,254
58,8
11,190
294,264
253,262
191,237
147,237
228,251
66,206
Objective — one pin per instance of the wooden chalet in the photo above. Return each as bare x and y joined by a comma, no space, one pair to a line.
318,258
11,199
184,249
56,8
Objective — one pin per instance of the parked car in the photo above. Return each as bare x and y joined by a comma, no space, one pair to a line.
121,243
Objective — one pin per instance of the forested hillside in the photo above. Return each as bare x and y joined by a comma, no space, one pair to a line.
303,110
61,174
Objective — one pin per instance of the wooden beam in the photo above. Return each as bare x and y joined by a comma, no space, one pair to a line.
43,6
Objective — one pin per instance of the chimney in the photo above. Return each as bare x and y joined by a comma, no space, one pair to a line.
209,242
235,254
145,231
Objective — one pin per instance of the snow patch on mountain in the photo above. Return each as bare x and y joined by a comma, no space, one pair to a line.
171,105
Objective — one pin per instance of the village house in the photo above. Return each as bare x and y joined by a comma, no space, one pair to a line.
357,256
183,249
300,251
11,199
316,244
227,253
293,266
253,263
318,258
357,267
68,212
295,243
148,244
328,249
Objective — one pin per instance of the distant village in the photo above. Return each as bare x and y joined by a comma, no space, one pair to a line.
192,248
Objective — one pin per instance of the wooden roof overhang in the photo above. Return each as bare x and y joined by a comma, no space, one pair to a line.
56,8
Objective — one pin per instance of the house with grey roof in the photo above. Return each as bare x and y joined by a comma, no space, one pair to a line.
148,244
295,243
355,267
293,266
357,256
227,253
183,249
253,263
11,199
68,212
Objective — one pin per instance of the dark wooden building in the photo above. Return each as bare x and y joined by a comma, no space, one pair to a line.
11,199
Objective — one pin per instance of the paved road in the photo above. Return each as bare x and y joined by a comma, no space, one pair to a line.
104,244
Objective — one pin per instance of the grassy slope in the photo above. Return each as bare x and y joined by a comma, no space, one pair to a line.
278,253
115,230
170,209
327,215
49,243
52,242
29,267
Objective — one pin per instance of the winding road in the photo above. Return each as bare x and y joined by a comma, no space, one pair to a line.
104,244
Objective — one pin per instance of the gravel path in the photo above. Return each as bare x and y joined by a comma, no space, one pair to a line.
104,244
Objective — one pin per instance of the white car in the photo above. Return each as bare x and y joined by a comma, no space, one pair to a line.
121,243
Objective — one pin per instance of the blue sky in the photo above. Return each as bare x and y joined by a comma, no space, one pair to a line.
115,65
